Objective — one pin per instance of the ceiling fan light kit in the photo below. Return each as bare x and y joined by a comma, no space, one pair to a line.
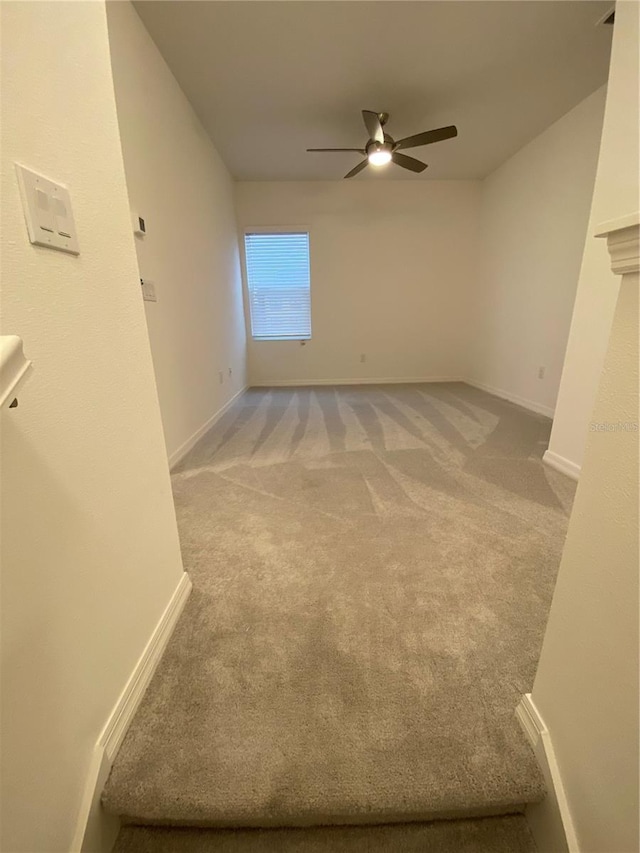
379,153
382,148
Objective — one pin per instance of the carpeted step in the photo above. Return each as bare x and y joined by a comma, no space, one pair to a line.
372,570
508,834
257,777
278,762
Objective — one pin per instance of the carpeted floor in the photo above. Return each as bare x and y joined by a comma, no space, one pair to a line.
486,835
372,570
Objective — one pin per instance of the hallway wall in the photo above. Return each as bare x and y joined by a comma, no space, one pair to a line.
615,194
181,187
586,686
90,552
534,214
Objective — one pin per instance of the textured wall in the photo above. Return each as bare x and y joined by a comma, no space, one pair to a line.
615,194
90,553
586,688
177,181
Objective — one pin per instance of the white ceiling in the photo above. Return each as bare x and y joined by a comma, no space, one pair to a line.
270,79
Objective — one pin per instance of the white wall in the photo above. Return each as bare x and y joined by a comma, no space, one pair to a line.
586,687
534,215
615,193
90,553
179,184
392,265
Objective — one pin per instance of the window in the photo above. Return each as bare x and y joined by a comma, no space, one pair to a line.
278,284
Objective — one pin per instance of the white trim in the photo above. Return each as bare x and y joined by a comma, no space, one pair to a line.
95,830
529,719
623,242
303,383
560,463
550,821
14,367
126,706
186,446
538,408
630,220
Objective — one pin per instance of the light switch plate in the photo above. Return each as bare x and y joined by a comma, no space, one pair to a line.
148,290
47,210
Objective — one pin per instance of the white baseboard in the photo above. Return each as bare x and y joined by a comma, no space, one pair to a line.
565,466
126,706
186,446
95,830
550,821
304,383
538,408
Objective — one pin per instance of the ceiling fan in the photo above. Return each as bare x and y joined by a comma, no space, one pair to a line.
382,148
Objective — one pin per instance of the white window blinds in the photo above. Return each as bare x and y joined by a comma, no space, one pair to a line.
279,285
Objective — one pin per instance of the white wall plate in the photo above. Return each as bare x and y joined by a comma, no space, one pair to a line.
47,210
148,290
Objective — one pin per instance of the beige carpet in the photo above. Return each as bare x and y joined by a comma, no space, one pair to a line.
372,569
487,835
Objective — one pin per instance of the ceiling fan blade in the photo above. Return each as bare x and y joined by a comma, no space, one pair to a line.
359,150
428,137
408,162
372,123
356,169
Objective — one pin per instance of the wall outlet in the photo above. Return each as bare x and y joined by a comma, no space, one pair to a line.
541,372
221,376
363,358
